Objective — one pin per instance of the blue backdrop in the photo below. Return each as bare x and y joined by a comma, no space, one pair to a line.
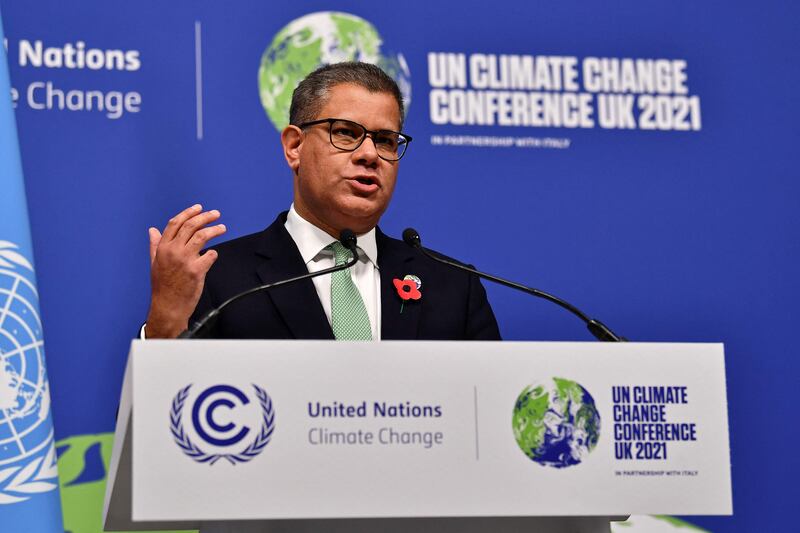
666,235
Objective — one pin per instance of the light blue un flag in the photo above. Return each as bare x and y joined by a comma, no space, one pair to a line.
29,499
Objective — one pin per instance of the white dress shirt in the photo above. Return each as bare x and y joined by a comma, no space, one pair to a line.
311,241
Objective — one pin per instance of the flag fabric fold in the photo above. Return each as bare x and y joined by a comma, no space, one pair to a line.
29,496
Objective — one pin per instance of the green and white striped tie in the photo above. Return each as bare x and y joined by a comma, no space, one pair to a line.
349,318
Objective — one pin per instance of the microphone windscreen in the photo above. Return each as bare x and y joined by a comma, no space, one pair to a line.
411,237
348,238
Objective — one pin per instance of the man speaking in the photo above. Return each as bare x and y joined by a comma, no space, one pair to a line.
343,144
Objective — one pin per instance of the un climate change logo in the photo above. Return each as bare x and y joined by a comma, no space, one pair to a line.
27,453
315,40
218,417
556,423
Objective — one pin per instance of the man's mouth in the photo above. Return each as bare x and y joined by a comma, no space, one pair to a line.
366,181
364,185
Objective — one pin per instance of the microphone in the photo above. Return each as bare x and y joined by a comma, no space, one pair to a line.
201,327
599,330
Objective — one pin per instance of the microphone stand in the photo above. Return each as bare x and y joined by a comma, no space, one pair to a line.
599,330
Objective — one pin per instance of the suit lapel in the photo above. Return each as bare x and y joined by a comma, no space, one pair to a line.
399,321
297,303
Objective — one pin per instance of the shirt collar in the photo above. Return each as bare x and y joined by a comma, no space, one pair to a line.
311,240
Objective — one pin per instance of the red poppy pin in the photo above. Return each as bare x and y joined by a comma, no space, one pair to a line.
408,288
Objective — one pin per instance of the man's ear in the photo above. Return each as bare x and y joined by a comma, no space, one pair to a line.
292,140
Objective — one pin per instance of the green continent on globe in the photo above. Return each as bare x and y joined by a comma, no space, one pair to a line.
556,424
314,40
586,416
654,524
528,419
82,471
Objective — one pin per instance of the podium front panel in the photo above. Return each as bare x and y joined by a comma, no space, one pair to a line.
320,429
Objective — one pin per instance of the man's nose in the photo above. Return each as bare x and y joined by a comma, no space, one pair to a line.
367,152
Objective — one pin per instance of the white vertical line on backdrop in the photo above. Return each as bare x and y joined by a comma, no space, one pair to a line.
198,76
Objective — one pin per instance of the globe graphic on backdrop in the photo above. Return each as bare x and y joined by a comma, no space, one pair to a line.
24,396
556,423
315,40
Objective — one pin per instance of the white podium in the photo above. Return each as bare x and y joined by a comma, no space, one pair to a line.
416,436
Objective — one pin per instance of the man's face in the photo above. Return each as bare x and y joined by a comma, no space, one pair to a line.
334,189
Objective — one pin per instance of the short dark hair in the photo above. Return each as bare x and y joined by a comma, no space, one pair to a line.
313,92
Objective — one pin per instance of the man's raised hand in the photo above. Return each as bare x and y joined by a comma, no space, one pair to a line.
178,271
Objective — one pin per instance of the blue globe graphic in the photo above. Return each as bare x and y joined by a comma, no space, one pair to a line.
317,39
556,423
25,428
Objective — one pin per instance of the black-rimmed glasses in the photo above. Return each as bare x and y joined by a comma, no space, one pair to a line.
348,135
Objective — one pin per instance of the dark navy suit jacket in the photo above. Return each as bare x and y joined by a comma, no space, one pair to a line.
453,304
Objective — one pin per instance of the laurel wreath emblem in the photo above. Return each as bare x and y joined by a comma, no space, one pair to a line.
190,448
18,483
